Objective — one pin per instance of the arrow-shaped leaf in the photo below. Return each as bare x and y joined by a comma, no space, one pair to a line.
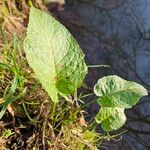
116,94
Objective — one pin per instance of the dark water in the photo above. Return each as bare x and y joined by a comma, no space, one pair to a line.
116,33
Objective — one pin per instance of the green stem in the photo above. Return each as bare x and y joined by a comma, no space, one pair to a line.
89,103
98,66
26,112
53,110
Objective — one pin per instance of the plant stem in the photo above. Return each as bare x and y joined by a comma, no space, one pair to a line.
98,66
53,110
87,104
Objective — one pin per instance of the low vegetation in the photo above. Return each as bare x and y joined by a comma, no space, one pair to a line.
41,71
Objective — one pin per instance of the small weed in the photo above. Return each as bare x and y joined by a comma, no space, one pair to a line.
7,133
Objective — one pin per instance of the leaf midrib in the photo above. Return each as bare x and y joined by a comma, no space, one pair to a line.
119,92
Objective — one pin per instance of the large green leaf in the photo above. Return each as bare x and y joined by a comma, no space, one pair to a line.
116,94
54,54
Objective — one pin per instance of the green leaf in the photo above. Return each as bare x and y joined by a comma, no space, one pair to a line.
112,118
9,98
116,94
53,54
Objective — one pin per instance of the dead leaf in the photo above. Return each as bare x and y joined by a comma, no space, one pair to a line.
82,122
15,110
